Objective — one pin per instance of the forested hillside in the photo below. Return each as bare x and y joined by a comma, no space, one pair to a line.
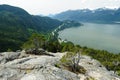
16,25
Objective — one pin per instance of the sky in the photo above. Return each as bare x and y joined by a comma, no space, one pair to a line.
46,7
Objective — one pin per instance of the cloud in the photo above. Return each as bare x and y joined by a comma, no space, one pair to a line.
56,6
83,1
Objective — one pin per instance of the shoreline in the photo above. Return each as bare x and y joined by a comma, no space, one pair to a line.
64,40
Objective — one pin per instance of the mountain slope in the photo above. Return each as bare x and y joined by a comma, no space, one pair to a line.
98,15
45,24
16,25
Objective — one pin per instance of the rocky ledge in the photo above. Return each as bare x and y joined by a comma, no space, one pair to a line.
22,66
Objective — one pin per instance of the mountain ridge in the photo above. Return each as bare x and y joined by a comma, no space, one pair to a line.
87,15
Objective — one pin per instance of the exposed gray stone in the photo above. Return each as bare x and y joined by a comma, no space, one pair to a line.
22,66
96,70
9,56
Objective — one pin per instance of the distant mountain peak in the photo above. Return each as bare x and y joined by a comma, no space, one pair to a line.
98,15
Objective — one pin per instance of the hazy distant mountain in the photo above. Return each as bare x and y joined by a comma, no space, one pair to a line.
98,15
16,25
50,15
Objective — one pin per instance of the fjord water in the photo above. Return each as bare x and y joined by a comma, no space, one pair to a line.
93,35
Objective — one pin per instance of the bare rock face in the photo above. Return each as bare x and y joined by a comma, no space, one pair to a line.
96,71
34,67
8,56
22,66
50,73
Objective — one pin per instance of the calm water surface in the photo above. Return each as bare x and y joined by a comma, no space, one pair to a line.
93,35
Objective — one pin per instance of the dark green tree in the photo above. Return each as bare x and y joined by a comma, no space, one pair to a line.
36,41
